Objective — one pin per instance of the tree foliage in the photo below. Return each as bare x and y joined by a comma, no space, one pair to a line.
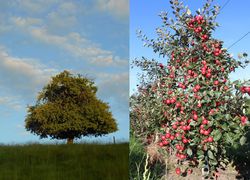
68,108
190,104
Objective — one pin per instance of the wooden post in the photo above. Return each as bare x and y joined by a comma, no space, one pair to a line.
70,140
114,139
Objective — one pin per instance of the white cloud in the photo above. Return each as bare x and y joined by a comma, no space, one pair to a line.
79,47
21,130
37,6
73,43
114,86
20,126
10,102
110,61
4,26
23,77
63,17
56,21
119,8
68,8
26,22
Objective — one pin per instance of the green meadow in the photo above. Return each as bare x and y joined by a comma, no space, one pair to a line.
64,162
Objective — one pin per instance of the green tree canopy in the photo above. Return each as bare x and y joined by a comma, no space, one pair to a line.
68,108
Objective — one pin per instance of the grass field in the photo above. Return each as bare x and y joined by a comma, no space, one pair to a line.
64,162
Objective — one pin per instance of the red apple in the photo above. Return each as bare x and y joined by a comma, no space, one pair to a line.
204,121
178,104
165,142
177,134
243,120
172,137
177,146
195,117
163,137
178,171
189,171
184,141
216,82
174,126
208,75
206,133
203,62
168,135
210,139
197,86
182,156
247,89
184,128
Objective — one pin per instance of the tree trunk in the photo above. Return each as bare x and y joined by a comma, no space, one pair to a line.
70,140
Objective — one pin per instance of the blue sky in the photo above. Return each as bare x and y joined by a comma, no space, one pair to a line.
233,20
40,38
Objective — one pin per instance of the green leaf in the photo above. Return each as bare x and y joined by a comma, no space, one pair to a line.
229,138
193,123
200,152
217,135
237,131
211,93
227,98
189,152
228,116
213,162
210,154
224,126
214,148
236,82
201,157
243,140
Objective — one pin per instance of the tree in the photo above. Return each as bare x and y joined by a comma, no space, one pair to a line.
198,112
68,108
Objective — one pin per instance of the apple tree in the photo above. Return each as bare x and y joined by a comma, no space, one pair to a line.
193,108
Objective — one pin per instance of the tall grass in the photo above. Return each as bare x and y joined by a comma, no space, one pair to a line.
64,162
139,166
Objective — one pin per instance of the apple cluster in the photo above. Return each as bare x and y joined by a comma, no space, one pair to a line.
196,24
